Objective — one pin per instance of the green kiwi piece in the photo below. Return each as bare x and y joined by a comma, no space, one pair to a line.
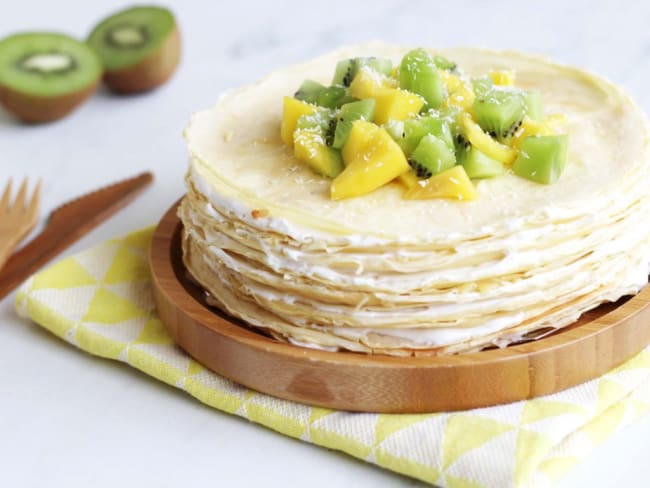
499,112
44,76
333,97
482,85
444,63
542,158
409,133
479,165
418,73
139,47
361,110
533,104
322,121
431,156
327,161
309,91
346,69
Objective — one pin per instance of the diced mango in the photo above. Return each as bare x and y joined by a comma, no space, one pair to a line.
408,179
459,92
292,110
452,183
396,104
502,77
368,83
360,136
483,142
552,124
309,147
381,161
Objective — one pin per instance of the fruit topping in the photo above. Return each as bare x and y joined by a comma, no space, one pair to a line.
423,124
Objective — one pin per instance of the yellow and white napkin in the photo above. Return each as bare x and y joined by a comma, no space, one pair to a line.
100,301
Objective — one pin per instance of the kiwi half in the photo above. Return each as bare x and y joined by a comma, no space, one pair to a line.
45,76
139,48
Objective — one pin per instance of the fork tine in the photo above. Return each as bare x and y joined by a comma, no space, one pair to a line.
35,202
21,196
6,195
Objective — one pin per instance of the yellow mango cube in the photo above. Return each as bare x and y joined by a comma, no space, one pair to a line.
452,183
310,148
502,77
409,180
459,92
368,83
292,110
380,162
484,143
360,136
396,104
552,124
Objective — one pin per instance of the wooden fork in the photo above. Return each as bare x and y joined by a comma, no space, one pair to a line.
17,218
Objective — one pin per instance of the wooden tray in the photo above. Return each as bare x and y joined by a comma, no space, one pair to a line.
599,341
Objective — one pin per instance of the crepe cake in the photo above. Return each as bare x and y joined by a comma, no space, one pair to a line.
381,274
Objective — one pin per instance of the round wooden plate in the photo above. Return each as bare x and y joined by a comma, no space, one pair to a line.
602,339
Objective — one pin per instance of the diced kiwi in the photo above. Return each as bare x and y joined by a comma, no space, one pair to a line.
395,129
333,97
450,115
310,148
321,121
361,110
542,158
479,165
45,76
431,156
347,69
309,91
418,73
444,63
482,85
139,47
408,133
499,112
533,104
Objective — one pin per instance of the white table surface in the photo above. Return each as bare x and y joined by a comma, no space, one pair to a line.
69,419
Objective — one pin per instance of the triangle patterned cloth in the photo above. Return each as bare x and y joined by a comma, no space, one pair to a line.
100,301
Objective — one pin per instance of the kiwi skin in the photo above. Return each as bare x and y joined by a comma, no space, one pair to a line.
150,72
35,110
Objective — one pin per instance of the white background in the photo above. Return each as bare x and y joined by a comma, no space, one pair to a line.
69,419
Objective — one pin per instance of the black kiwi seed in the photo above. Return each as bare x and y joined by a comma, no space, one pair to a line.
461,141
513,130
331,130
420,171
351,71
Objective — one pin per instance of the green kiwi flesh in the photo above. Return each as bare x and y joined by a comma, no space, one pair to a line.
139,47
360,110
322,121
418,73
499,112
44,76
309,91
431,156
542,158
533,104
478,165
346,69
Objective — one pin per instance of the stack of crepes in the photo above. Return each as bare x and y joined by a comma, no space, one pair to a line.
386,275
